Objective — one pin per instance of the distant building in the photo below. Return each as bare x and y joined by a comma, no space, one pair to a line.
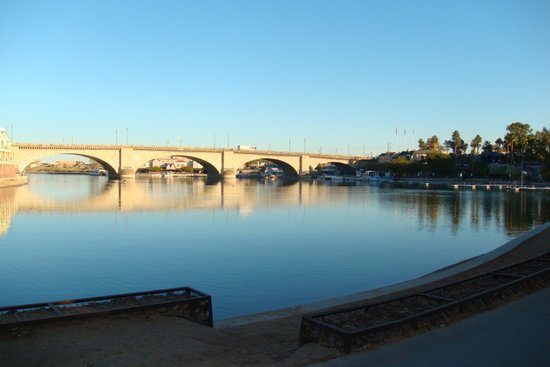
420,155
386,157
8,168
67,163
173,163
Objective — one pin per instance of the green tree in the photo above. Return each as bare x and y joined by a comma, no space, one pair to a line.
499,143
476,144
422,145
539,145
517,139
433,143
456,144
487,147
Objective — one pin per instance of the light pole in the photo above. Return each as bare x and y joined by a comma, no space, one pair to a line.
126,136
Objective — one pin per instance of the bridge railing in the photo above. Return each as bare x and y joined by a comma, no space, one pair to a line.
182,149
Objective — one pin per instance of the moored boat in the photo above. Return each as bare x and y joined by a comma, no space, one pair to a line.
98,172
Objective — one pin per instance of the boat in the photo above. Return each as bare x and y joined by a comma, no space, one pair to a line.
375,176
334,178
98,172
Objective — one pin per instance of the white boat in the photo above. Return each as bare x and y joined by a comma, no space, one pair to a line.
376,176
98,172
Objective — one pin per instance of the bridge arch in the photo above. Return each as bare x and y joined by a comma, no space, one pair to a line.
210,169
286,167
23,164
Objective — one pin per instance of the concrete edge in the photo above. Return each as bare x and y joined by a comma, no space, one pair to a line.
377,292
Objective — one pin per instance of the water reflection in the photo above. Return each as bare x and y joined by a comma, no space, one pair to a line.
514,212
430,209
254,246
7,208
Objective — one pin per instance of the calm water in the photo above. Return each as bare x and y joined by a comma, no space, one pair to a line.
253,246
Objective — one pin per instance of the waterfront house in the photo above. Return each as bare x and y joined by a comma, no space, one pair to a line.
8,168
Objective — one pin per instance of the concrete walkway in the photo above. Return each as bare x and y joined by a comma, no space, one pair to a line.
516,334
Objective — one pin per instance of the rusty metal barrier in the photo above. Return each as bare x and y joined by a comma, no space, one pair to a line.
184,302
354,327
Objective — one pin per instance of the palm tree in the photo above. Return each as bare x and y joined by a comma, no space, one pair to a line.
475,144
456,143
487,147
517,139
499,143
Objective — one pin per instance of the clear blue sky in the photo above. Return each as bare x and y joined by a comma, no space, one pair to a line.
335,73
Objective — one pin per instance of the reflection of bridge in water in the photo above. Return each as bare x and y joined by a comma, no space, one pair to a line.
512,211
158,194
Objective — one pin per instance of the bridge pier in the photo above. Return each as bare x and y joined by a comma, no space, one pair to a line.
304,165
228,164
126,172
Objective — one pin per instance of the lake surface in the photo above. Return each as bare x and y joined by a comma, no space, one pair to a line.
254,246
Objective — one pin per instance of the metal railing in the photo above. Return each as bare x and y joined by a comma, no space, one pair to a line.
354,327
184,301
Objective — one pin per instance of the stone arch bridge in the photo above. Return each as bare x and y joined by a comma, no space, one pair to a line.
124,160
